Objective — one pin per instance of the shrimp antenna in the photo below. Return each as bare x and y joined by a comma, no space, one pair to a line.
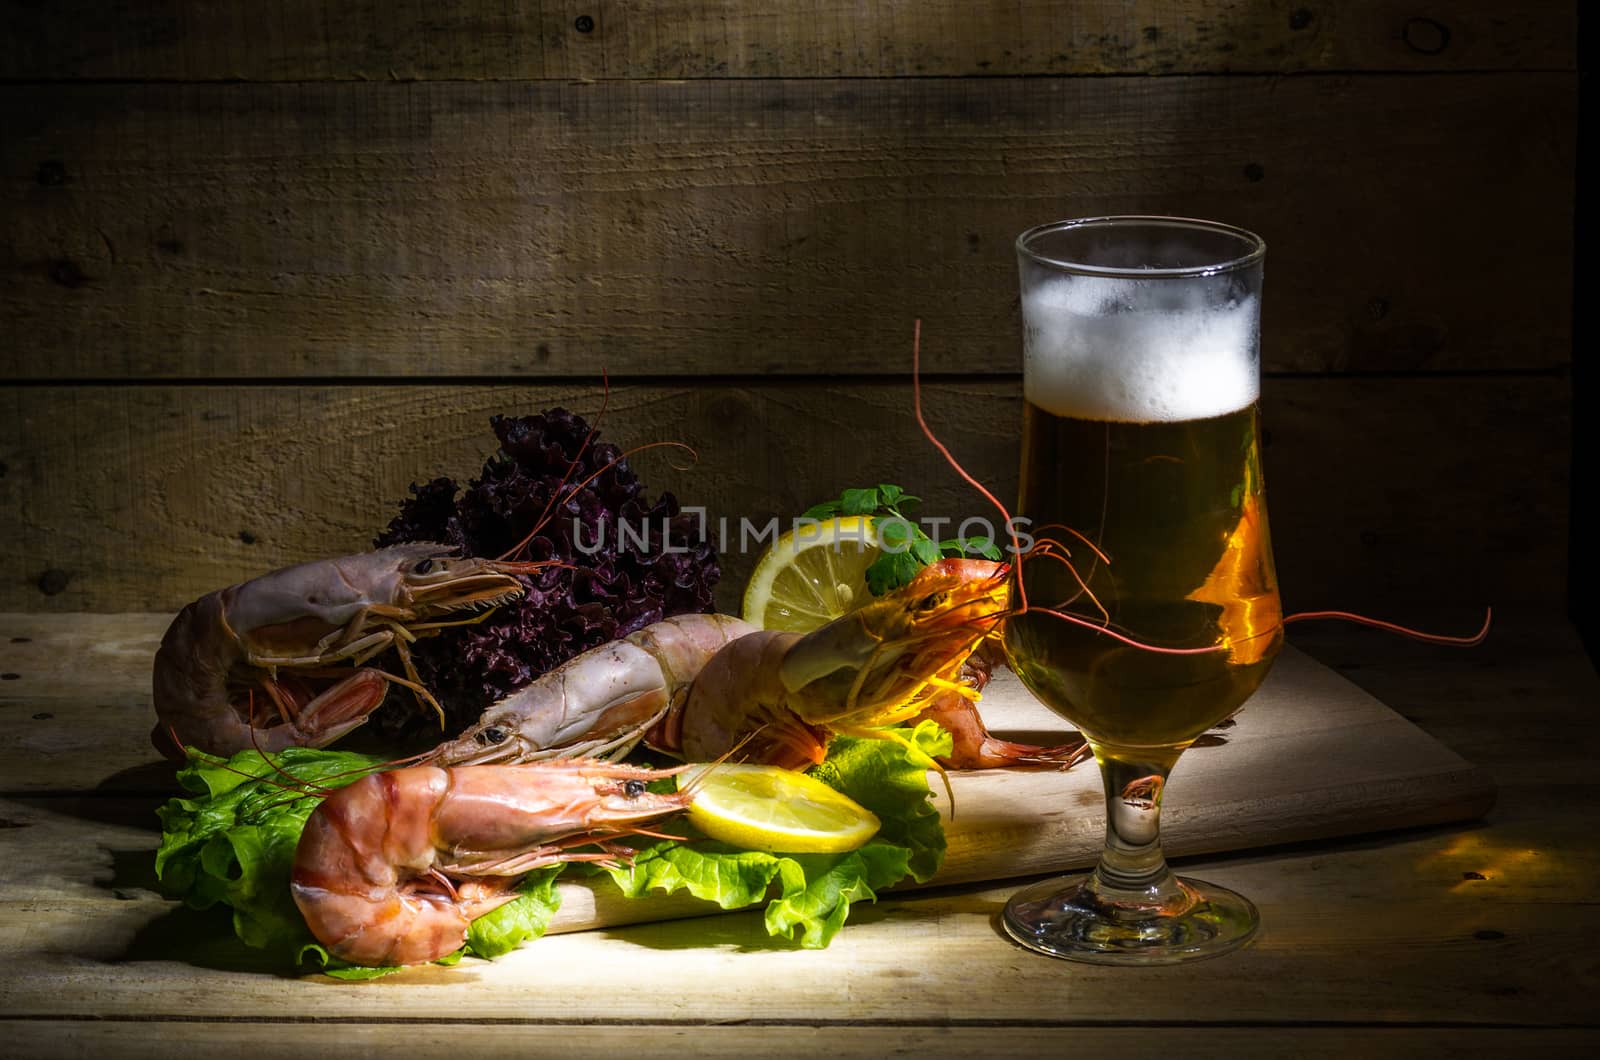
922,421
1078,620
290,783
572,465
1016,545
295,786
692,788
299,786
556,496
1471,641
177,742
573,491
295,783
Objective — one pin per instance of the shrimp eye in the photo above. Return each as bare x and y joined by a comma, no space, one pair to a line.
633,788
423,566
932,602
492,735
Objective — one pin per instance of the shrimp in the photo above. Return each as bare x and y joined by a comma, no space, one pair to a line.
393,868
785,695
281,635
698,685
599,703
972,745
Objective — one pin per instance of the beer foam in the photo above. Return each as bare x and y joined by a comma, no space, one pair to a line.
1139,351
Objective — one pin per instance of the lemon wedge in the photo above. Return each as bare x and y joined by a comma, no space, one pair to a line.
812,575
772,809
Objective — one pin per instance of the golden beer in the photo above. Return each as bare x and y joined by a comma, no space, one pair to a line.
1152,606
1177,509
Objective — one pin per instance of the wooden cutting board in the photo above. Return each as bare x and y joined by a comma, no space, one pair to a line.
1309,756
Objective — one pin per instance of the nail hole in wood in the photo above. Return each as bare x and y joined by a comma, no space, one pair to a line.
1426,36
67,274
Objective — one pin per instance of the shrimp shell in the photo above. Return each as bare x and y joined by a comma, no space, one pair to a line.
393,868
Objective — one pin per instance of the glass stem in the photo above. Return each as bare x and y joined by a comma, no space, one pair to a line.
1133,874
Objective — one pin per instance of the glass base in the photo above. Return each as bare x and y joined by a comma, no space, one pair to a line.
1064,918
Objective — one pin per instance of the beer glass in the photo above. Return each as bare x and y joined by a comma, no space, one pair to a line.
1148,602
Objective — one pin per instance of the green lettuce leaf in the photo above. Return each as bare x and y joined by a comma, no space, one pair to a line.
233,841
520,921
815,891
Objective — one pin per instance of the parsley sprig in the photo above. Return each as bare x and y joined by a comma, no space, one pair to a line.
906,548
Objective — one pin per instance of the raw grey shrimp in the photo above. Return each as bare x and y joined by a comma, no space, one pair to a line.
256,665
696,686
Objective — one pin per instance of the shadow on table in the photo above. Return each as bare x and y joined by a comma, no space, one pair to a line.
203,938
132,871
741,931
744,931
154,779
126,799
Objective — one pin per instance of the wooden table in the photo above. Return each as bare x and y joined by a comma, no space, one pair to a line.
1471,937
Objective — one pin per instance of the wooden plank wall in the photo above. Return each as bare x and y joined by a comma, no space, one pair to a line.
265,264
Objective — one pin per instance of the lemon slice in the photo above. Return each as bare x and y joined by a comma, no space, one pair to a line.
812,575
772,809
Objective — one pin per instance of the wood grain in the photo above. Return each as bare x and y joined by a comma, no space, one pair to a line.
78,707
184,1040
831,170
916,960
1384,493
1311,757
1462,930
309,40
789,227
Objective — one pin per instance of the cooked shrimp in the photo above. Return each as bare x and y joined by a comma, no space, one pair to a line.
394,868
697,685
786,694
